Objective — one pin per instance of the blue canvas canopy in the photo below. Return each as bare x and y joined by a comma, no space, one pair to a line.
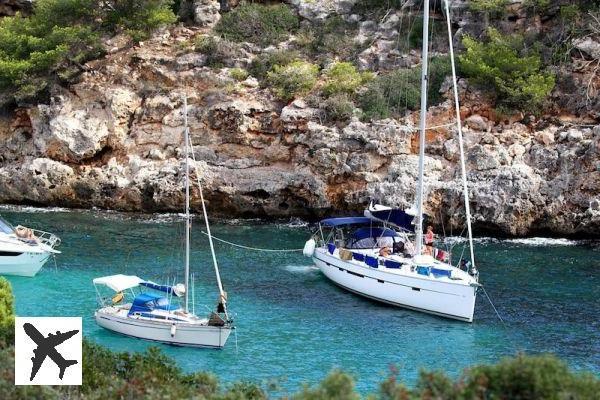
146,302
345,221
163,288
375,232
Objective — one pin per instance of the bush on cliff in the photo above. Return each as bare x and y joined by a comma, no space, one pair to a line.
327,39
343,77
52,44
295,79
398,91
488,6
258,23
263,63
511,72
138,17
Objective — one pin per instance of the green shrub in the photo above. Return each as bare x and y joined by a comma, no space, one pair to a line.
219,52
60,35
337,385
7,314
294,79
503,65
239,74
257,23
398,91
331,38
139,18
342,77
536,4
264,62
488,6
339,107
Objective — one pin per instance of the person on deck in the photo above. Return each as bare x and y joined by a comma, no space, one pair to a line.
429,237
385,252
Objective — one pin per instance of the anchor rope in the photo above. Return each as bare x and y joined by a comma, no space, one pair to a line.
494,307
241,246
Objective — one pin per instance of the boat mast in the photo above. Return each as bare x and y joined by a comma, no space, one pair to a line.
460,136
422,128
187,204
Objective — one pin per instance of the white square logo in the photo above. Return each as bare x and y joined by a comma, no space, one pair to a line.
48,351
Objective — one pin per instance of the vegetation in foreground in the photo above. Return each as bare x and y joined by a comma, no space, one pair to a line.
152,375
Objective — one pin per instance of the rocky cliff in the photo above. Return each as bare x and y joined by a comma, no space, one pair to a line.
113,140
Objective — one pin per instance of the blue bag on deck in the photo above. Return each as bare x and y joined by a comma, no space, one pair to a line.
392,264
358,256
423,270
330,248
371,262
440,272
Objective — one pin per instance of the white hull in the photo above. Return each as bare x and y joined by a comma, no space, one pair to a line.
184,334
401,288
25,264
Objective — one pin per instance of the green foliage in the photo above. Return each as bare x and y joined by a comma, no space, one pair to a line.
526,377
139,18
536,4
294,79
376,6
60,35
336,386
342,77
239,74
339,107
257,23
488,6
331,38
264,63
7,314
400,90
503,65
219,52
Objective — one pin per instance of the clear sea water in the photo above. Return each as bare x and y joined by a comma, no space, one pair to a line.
294,326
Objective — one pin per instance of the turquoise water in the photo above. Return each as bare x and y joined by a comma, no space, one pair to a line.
294,326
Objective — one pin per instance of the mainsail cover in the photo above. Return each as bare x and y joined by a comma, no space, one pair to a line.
394,216
175,290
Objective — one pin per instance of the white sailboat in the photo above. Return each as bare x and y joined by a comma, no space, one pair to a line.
162,317
23,251
349,250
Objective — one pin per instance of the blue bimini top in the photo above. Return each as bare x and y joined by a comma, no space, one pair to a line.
146,302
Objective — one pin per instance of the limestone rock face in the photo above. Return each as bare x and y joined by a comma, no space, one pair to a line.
114,140
319,10
206,12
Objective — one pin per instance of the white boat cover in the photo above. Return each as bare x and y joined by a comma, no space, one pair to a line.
119,282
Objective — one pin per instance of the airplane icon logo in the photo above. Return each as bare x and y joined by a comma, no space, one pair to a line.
47,348
45,355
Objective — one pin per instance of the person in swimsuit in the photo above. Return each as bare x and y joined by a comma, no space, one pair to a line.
429,237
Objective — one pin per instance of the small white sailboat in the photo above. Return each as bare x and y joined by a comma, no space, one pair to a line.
349,251
23,251
162,317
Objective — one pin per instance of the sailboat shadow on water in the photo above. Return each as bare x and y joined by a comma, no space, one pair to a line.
162,313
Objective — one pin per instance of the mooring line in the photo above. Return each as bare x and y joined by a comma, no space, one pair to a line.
241,246
493,306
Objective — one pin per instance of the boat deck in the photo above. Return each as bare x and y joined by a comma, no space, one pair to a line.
397,264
